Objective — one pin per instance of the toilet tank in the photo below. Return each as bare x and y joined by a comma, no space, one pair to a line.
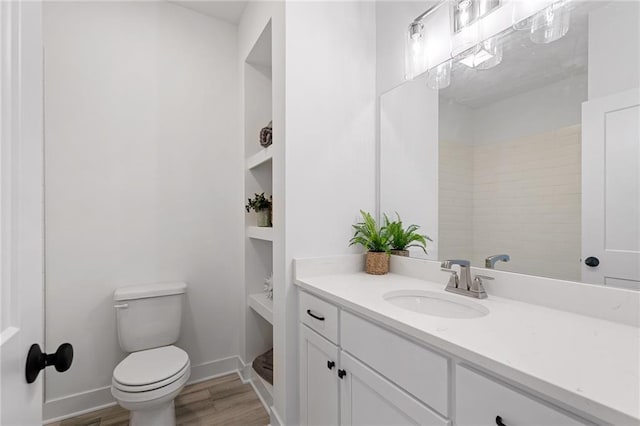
149,315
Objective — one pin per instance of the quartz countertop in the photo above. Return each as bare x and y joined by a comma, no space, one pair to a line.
584,363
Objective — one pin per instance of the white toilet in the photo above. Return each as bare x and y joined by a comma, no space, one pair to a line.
147,381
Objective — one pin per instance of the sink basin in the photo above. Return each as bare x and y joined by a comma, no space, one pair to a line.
436,304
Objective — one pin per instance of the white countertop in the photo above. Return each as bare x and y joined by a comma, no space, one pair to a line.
589,364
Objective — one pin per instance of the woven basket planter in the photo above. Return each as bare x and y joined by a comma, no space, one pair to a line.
404,253
377,263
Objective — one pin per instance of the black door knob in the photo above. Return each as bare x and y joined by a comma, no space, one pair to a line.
342,373
37,360
331,365
592,261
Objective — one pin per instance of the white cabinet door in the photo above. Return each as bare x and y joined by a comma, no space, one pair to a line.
611,190
318,379
481,401
368,399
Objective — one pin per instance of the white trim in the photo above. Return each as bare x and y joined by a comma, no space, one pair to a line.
276,420
97,399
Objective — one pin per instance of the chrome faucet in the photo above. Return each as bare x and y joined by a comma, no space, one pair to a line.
463,284
490,262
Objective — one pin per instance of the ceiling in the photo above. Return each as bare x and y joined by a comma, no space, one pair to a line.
525,66
228,10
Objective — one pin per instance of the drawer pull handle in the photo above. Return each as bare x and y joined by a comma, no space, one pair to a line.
319,318
342,373
331,365
499,421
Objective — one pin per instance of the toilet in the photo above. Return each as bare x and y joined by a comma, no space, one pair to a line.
146,382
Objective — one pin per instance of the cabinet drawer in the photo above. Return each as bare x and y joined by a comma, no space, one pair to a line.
319,316
419,371
480,400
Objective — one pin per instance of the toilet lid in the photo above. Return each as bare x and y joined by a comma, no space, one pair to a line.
150,366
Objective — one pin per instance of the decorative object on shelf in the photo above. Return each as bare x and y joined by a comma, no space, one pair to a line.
268,287
263,365
266,135
262,206
402,239
376,240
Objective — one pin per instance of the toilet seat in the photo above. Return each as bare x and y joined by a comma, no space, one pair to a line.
151,369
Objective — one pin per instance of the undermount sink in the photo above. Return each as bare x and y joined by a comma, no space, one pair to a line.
436,304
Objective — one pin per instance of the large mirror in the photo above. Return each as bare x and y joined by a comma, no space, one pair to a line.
528,147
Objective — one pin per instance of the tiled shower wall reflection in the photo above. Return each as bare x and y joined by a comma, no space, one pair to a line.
521,197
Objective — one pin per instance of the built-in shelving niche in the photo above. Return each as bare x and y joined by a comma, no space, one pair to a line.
258,178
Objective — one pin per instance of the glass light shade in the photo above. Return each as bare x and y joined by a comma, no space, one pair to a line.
439,77
484,55
550,24
415,51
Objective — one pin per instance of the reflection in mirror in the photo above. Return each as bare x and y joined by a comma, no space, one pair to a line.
531,150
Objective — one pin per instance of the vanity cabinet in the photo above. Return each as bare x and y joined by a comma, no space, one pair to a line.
355,372
367,386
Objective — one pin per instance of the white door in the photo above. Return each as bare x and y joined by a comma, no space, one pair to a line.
21,208
318,379
368,399
611,190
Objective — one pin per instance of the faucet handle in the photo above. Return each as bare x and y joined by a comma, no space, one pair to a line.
477,288
484,277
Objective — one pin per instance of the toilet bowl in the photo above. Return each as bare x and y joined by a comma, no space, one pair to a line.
147,381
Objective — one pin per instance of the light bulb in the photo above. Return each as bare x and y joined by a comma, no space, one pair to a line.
550,24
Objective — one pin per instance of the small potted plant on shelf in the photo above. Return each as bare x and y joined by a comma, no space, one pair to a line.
262,206
401,239
376,240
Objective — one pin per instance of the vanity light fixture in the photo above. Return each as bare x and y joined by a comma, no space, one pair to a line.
550,24
466,12
415,50
484,55
416,46
439,77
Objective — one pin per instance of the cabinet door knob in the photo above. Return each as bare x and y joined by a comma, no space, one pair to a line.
311,314
342,373
331,365
592,261
499,421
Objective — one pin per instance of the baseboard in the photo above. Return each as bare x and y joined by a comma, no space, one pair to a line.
77,404
81,403
275,417
248,375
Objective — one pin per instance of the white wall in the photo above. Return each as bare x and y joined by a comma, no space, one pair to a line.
614,48
330,147
143,180
546,108
409,153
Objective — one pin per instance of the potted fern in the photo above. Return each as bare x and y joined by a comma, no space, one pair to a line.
402,239
375,240
262,206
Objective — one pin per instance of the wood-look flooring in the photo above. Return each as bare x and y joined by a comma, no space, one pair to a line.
221,401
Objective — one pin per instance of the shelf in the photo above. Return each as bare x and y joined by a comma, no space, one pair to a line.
260,232
265,154
260,303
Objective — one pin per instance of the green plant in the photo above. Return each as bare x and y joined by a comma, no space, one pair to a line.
369,235
401,238
259,202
